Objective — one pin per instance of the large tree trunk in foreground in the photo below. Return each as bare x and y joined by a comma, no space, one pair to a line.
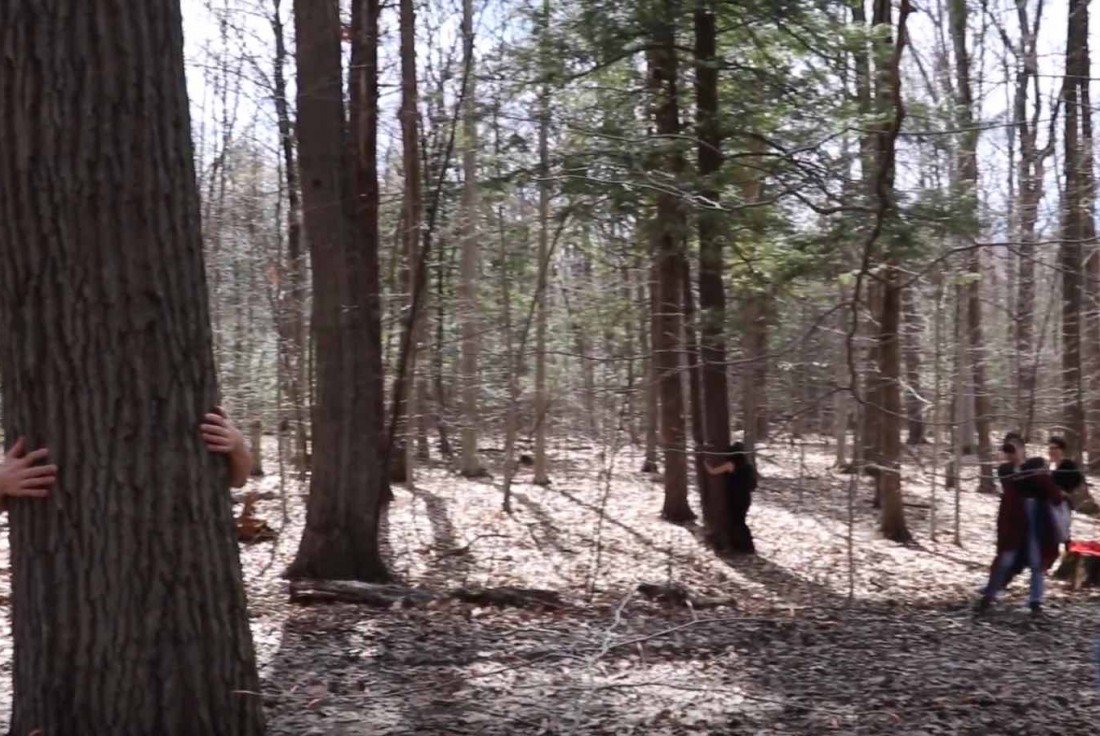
128,603
341,535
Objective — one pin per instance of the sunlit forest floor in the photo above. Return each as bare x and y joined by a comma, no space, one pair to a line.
815,639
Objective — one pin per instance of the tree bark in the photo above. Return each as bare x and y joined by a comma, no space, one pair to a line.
290,304
647,311
1073,235
967,195
888,344
348,483
128,603
667,262
542,399
712,293
469,464
754,345
1031,175
914,401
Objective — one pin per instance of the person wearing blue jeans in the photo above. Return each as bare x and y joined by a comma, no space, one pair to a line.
1025,532
1029,556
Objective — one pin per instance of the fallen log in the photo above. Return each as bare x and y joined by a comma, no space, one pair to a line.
387,595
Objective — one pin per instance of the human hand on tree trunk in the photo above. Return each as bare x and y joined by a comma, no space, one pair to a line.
21,477
222,437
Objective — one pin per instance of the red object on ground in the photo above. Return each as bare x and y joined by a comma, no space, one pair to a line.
1085,549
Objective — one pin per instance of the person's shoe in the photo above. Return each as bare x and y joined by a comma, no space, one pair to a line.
984,603
1036,610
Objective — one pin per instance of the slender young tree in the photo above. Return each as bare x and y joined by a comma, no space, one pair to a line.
542,398
290,302
128,604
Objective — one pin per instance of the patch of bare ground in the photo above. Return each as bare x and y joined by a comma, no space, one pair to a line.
828,630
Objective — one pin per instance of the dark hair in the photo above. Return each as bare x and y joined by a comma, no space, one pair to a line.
1058,442
1014,438
736,454
1033,463
1009,449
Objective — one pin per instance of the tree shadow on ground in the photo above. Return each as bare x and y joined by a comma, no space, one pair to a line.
867,669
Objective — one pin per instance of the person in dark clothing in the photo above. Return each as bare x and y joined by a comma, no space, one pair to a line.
1066,473
1026,537
740,483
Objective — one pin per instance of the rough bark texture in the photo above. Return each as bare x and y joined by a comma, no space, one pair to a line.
1070,255
1031,175
290,300
712,293
914,401
967,172
340,540
646,311
888,344
542,399
667,260
754,385
128,604
469,464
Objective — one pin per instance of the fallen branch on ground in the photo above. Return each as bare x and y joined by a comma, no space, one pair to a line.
389,595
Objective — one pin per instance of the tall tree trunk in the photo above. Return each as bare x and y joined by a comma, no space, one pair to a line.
667,261
1031,175
888,344
542,399
754,346
340,202
469,464
914,401
695,386
712,293
128,603
1073,233
1091,316
967,196
647,310
412,394
290,307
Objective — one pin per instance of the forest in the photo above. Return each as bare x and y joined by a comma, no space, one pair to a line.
645,367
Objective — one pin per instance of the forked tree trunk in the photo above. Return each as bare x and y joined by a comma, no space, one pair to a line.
128,604
668,257
347,485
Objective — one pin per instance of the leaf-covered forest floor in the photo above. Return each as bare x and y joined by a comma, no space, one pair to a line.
792,654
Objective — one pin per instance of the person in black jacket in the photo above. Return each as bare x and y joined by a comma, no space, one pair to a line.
740,483
1066,473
